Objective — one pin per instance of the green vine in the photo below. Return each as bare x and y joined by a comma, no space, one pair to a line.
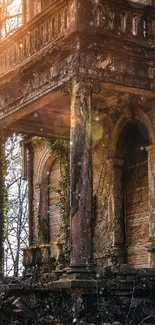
3,202
60,149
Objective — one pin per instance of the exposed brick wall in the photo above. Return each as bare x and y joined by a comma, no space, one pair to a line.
137,214
54,211
117,201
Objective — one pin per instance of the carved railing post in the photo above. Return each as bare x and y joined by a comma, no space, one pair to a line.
81,174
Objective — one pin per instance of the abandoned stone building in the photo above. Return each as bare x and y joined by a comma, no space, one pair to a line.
83,73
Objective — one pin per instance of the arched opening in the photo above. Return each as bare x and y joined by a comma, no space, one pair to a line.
131,145
49,212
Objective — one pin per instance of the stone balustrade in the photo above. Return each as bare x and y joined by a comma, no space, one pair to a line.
42,30
112,18
125,21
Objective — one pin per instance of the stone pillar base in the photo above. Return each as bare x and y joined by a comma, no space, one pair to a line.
80,271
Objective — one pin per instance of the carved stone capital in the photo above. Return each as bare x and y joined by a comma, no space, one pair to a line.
88,84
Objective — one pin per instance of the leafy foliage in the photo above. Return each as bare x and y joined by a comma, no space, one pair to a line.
60,149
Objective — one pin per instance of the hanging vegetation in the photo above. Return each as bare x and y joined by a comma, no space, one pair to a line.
60,149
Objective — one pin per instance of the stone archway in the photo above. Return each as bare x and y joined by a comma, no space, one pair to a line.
131,211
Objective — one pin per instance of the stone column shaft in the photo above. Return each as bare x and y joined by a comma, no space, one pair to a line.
81,175
1,209
151,184
30,192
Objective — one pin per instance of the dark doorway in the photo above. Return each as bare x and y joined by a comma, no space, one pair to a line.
131,147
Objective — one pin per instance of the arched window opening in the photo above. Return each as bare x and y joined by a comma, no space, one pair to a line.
134,186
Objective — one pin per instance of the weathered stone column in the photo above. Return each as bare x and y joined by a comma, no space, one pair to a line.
115,208
151,183
30,192
81,175
1,208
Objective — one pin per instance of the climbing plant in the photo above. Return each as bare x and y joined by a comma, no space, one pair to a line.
60,149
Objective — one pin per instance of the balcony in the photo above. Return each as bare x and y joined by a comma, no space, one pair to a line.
116,19
49,50
120,19
50,25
